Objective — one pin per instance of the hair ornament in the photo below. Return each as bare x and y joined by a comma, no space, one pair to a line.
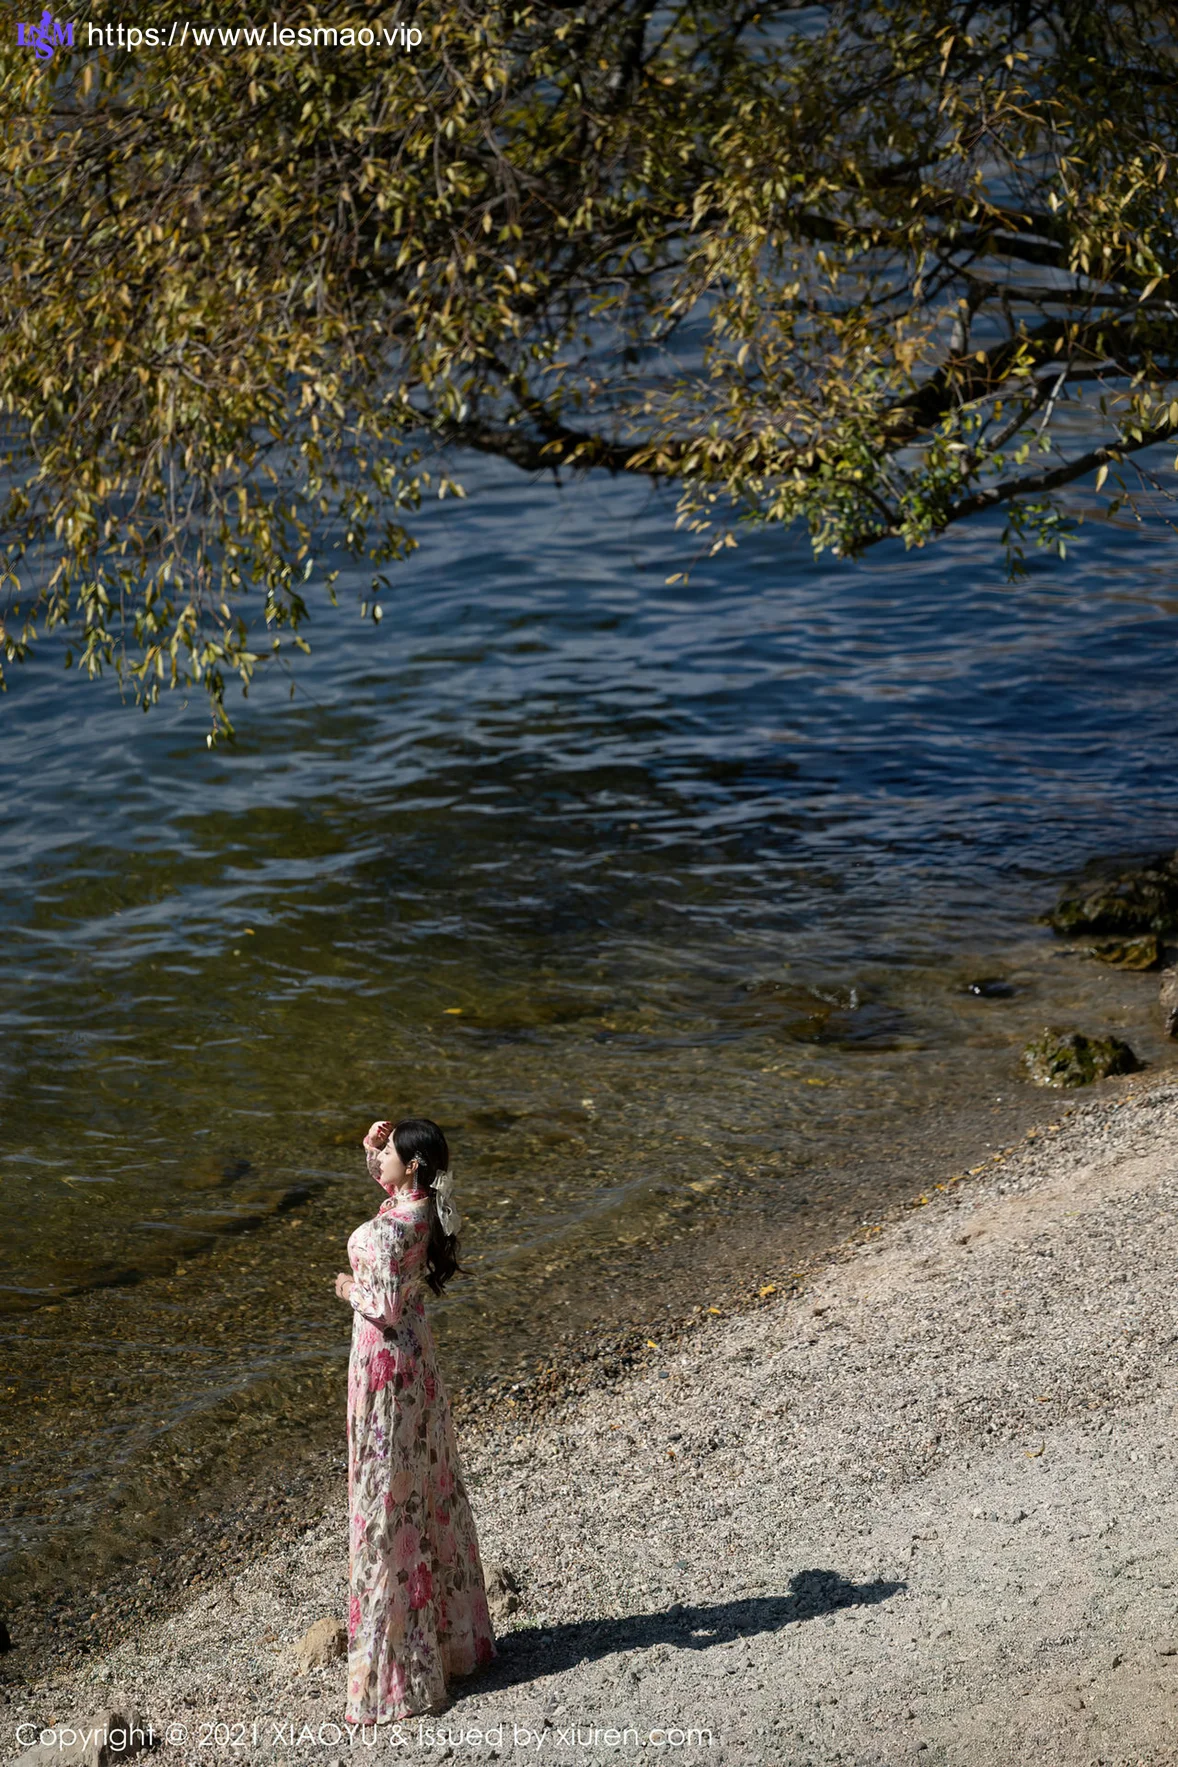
443,1189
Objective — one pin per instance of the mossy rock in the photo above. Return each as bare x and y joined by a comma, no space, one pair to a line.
1143,953
1140,899
1068,1058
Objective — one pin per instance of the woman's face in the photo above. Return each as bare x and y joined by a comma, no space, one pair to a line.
392,1168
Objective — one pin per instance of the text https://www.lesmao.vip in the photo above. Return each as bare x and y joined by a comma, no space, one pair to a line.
48,35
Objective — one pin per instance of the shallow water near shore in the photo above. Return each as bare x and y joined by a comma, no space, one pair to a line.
664,900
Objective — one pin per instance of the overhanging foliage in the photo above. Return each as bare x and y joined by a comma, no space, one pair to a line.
874,267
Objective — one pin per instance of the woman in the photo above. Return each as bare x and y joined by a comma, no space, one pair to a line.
418,1614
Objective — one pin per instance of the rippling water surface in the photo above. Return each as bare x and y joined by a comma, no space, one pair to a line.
655,896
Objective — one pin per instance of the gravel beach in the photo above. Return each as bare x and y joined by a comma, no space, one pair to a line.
919,1506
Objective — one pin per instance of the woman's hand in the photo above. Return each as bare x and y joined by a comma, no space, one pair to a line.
378,1136
343,1285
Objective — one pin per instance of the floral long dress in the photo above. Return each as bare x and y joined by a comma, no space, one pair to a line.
418,1612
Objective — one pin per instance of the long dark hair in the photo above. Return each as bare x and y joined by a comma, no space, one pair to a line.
417,1138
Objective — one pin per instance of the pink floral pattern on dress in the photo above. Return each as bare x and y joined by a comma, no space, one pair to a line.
418,1611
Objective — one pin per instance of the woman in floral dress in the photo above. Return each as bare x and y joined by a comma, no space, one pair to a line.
418,1613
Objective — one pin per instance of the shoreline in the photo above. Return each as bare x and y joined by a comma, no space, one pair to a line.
853,1442
247,1516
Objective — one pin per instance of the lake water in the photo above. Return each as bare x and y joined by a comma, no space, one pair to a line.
659,898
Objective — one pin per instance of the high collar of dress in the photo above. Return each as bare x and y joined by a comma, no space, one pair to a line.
400,1199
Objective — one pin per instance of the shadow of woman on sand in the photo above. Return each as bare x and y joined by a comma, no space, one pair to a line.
535,1651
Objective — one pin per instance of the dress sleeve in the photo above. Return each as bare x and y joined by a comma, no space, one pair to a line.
376,1292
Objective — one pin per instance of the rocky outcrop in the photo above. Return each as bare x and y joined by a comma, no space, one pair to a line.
1169,1001
1139,899
1068,1058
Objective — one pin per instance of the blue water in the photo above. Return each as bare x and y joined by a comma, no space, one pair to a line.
627,883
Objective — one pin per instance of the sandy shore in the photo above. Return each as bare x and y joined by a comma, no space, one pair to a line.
923,1509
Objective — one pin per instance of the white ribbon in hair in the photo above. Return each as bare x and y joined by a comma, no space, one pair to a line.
443,1189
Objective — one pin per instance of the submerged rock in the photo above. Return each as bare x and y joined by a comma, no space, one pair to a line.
988,988
1139,899
1168,996
1142,953
841,1015
1068,1058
